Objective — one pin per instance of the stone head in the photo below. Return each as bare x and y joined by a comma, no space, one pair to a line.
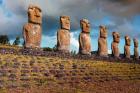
116,37
103,32
135,42
34,14
127,40
65,22
85,25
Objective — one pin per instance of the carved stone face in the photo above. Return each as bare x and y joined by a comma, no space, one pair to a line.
135,42
127,40
34,14
85,25
116,37
103,32
65,22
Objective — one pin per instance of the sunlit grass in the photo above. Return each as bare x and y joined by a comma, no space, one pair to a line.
67,75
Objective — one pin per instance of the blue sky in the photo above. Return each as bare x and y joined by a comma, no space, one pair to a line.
0,1
122,16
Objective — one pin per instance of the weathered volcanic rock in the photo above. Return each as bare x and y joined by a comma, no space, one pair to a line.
34,14
102,42
127,47
136,51
115,43
63,35
84,38
32,30
65,22
32,35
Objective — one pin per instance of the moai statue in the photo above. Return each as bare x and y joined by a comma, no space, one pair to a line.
63,35
84,38
127,47
102,42
115,43
32,30
136,51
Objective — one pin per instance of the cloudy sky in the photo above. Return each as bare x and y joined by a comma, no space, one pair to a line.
122,16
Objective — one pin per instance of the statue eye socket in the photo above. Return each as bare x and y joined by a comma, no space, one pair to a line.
30,9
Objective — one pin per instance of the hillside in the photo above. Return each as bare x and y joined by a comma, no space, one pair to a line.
36,74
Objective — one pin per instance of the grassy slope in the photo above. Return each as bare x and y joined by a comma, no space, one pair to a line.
23,74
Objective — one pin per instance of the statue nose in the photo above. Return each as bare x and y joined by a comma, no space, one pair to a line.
67,22
37,14
88,25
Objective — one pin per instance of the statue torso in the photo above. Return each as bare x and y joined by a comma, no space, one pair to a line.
32,34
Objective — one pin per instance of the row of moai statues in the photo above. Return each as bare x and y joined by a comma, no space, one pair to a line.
127,54
33,29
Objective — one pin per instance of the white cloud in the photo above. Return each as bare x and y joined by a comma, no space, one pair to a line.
11,23
109,51
48,41
74,41
93,10
126,28
77,9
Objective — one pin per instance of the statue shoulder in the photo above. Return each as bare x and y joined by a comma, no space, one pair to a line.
27,26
